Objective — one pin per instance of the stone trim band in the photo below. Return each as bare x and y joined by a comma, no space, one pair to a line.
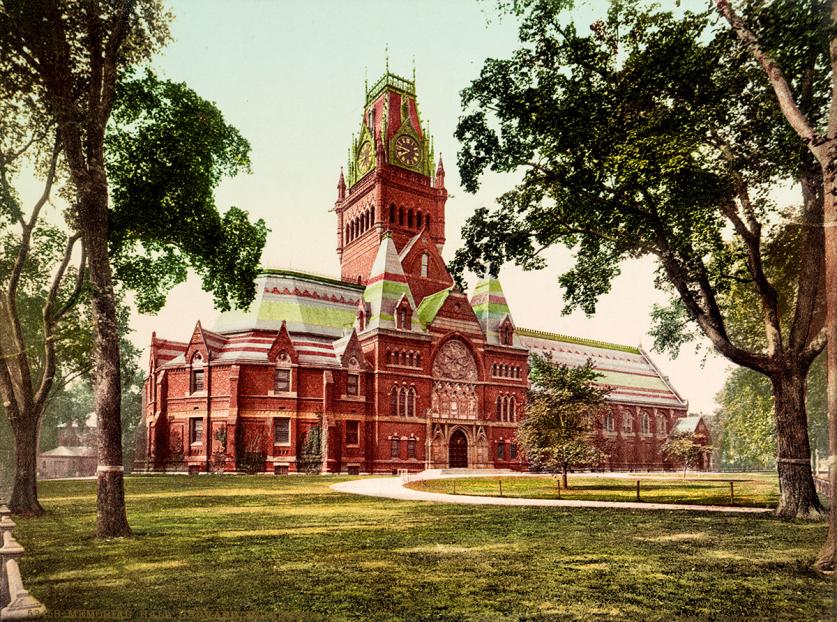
104,468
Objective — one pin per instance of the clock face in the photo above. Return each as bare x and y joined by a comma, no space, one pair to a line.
407,150
364,156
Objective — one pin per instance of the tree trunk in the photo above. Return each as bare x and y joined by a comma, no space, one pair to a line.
566,480
798,496
111,520
24,499
827,558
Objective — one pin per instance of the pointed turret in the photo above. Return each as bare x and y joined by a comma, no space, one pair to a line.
492,311
390,301
341,186
440,173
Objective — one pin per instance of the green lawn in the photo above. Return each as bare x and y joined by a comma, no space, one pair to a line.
288,548
754,490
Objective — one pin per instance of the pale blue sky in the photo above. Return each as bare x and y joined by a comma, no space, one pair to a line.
290,76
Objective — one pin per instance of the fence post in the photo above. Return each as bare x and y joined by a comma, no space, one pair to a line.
637,490
15,602
731,493
500,481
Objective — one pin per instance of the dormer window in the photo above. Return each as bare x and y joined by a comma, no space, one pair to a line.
425,260
361,319
506,333
282,373
197,380
353,384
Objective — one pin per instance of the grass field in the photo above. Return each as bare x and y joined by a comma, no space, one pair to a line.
752,490
288,548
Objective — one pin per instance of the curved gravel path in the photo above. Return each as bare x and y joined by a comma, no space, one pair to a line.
393,488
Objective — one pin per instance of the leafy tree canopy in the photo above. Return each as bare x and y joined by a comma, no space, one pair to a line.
561,411
167,150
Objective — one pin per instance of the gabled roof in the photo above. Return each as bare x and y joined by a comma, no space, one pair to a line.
687,425
630,373
492,309
70,452
387,285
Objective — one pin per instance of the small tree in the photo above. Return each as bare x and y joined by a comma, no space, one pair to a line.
683,447
562,409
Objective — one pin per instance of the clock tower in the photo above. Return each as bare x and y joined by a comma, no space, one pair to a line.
393,182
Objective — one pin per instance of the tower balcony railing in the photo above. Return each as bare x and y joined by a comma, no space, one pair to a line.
393,80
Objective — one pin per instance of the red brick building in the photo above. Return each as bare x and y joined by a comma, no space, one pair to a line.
388,367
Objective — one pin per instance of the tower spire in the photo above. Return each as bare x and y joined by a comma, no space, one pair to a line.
341,186
440,173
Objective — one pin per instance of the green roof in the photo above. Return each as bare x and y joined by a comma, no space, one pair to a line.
430,305
540,334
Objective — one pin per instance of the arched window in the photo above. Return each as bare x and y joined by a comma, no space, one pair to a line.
512,408
392,212
661,424
393,402
411,403
627,422
410,218
500,408
400,215
609,422
418,219
197,373
425,260
645,423
402,402
346,238
418,359
427,221
410,359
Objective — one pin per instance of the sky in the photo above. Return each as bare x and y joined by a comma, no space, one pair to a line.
290,76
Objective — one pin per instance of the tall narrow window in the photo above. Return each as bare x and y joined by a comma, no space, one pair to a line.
282,380
512,451
628,423
352,384
352,432
425,259
512,408
501,451
402,402
392,213
661,424
395,447
411,448
197,380
400,215
500,408
410,218
282,431
645,426
427,222
195,430
393,402
411,402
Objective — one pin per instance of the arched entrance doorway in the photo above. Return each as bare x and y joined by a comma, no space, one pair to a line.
458,450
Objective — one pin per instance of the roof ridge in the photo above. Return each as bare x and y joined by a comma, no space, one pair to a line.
311,276
531,332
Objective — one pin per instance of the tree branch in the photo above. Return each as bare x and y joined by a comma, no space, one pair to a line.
777,80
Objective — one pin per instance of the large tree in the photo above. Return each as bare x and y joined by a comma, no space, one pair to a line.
563,409
654,135
74,58
767,42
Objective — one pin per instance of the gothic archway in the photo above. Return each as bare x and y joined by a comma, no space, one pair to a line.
458,450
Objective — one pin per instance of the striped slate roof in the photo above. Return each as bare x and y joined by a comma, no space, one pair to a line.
491,308
308,304
386,286
629,371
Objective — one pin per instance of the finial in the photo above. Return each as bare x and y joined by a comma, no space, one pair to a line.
414,70
365,81
386,56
